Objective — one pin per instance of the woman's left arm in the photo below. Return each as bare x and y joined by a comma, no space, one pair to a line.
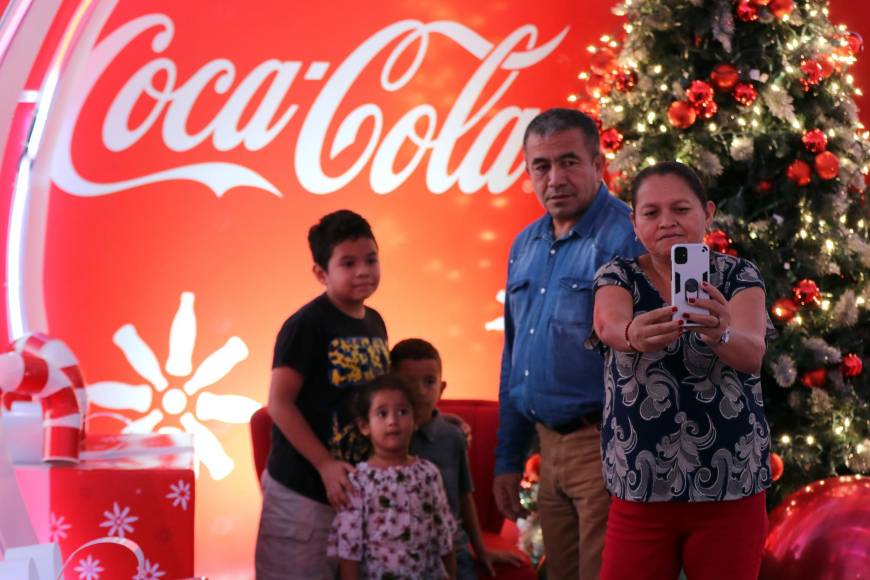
744,319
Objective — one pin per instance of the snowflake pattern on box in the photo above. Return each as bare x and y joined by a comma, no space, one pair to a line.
180,494
119,521
57,528
149,571
89,568
188,405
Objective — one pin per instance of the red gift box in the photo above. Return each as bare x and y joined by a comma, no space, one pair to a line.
139,487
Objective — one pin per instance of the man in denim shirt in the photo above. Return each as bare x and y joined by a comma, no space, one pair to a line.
549,380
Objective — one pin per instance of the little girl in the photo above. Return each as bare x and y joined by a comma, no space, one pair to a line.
399,524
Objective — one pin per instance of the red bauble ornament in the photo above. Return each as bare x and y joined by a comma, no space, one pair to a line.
781,8
807,293
603,62
829,65
815,378
706,109
799,172
783,310
724,77
776,466
597,86
746,12
827,165
745,94
820,531
611,140
681,114
761,2
815,141
718,241
532,470
624,80
856,43
763,186
698,92
590,107
852,365
812,71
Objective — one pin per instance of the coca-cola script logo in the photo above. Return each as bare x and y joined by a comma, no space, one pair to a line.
491,161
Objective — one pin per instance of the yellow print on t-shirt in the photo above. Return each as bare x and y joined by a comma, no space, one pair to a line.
355,360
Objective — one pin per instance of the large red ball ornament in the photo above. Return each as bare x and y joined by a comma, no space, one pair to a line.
724,77
781,8
590,107
681,114
718,241
597,86
603,62
799,172
821,531
827,165
611,140
807,293
852,365
698,92
815,141
783,310
746,11
776,466
856,43
812,71
745,94
706,109
761,2
814,379
829,65
624,80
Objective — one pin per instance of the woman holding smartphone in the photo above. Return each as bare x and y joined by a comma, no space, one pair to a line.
685,442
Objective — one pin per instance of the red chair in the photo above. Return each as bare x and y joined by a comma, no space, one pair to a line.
482,416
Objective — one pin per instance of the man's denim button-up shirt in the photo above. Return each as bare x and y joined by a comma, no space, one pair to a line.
547,375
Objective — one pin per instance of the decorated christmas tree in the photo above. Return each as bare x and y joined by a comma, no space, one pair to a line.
757,96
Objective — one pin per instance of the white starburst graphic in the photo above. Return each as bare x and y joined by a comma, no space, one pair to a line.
57,528
118,521
176,402
149,571
180,494
89,569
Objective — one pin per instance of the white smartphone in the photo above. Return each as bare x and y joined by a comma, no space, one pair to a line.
690,266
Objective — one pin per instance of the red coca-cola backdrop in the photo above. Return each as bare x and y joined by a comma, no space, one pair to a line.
190,147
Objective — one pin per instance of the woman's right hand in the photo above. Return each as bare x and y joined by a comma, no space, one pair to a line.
654,330
334,475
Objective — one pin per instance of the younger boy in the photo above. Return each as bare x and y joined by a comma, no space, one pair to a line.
323,352
444,444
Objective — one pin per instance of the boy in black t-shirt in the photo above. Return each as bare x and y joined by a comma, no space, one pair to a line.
325,350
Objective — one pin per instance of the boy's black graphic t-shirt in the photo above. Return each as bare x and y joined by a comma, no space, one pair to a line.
335,353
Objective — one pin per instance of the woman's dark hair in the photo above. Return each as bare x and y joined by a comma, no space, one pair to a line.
684,172
388,382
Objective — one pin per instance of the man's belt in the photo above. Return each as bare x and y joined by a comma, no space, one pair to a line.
590,419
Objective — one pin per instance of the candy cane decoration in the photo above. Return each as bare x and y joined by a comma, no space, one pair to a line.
56,353
26,374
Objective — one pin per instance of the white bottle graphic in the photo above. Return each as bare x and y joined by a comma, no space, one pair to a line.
140,356
182,337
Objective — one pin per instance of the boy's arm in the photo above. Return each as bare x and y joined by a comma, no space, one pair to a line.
348,569
472,527
283,391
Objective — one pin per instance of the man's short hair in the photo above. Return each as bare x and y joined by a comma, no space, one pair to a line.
557,120
414,349
333,229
